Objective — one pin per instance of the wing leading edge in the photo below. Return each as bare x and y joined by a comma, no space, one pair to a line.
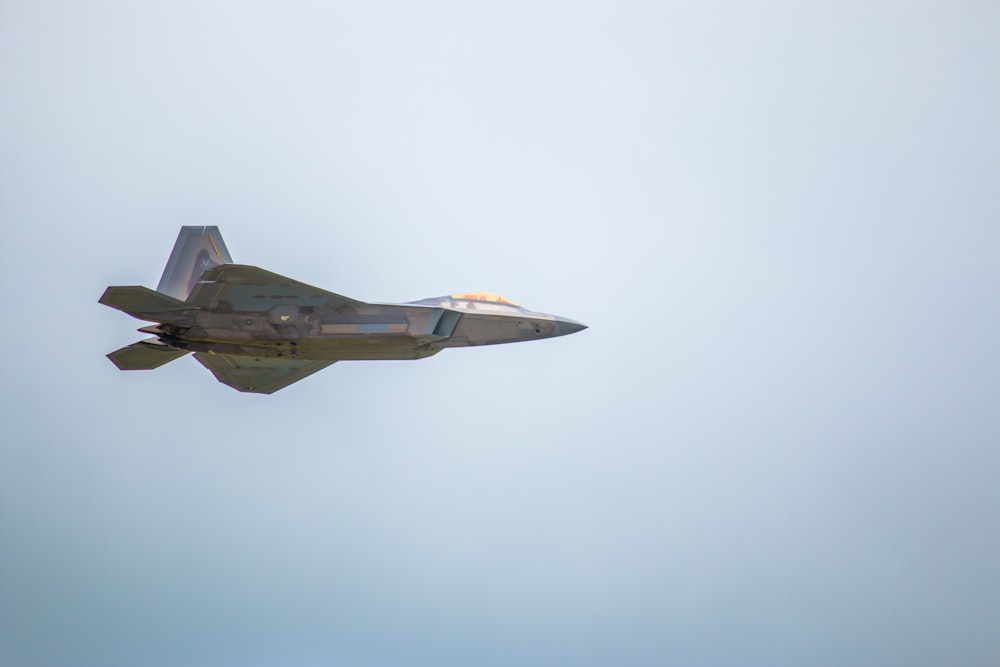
249,288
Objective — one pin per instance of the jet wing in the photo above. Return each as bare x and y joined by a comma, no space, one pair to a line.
258,376
248,288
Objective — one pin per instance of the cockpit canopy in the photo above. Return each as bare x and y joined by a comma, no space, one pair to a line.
482,302
483,296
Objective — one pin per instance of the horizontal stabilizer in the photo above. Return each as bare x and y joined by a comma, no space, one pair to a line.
144,355
141,302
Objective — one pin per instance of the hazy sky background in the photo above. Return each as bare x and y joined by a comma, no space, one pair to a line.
777,444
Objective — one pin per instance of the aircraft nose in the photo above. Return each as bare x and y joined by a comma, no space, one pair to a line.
565,326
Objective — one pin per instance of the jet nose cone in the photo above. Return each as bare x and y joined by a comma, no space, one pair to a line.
566,326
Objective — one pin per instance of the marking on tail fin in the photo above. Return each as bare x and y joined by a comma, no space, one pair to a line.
196,250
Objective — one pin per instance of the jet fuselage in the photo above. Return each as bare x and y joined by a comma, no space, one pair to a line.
370,331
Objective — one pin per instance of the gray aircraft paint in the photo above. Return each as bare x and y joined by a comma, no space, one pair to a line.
775,445
259,332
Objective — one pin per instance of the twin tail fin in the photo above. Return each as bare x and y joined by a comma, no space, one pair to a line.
196,250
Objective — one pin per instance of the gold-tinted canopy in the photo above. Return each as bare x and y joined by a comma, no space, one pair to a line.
483,296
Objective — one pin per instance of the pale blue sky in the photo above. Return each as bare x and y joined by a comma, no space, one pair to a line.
777,444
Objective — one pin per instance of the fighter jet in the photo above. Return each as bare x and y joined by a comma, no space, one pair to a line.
259,332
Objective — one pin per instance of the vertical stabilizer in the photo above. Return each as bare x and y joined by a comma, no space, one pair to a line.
197,249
